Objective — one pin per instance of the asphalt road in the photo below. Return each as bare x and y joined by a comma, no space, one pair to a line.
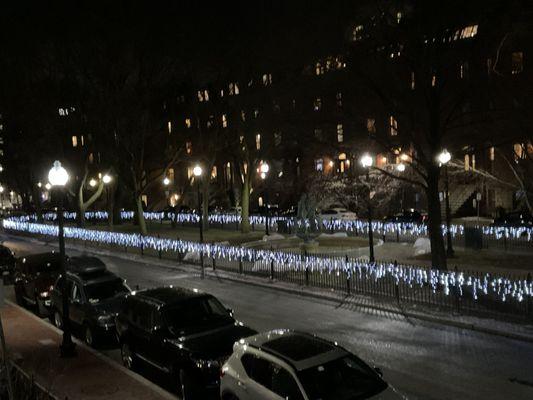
421,360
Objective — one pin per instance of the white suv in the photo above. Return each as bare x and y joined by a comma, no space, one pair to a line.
289,365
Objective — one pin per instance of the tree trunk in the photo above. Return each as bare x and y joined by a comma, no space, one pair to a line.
140,216
245,204
110,202
438,254
81,212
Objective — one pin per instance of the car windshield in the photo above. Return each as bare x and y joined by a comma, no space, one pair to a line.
346,378
100,291
194,313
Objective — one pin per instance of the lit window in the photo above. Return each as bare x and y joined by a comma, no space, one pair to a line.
267,79
371,125
413,82
228,171
258,141
393,126
188,147
467,162
74,141
256,113
519,153
188,122
319,164
340,133
170,174
357,33
91,158
214,172
399,17
221,92
224,121
342,156
203,95
190,172
243,115
466,33
517,62
434,80
317,104
491,154
260,201
338,96
169,125
277,138
233,89
463,70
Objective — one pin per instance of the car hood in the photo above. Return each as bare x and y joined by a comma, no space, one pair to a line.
214,343
109,306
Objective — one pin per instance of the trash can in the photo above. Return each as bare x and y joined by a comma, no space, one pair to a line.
473,238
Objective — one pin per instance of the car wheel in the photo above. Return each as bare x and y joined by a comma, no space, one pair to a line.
187,387
128,358
58,320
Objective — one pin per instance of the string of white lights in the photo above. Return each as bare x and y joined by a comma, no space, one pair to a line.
500,288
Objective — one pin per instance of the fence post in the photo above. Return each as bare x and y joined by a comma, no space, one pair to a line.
159,250
306,269
398,234
348,276
456,293
142,245
241,270
271,265
397,286
528,280
214,263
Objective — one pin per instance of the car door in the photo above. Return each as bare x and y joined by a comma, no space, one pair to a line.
75,303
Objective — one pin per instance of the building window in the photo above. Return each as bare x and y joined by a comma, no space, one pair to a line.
224,121
319,164
243,116
466,33
491,153
203,95
357,33
91,158
170,174
434,81
214,172
169,126
463,70
399,17
188,122
277,138
371,125
340,133
473,161
517,62
393,126
317,106
267,79
256,113
190,172
467,162
338,97
233,89
519,153
74,141
319,69
258,141
413,82
188,147
228,172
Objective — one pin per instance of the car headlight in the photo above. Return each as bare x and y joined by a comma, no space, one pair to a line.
44,294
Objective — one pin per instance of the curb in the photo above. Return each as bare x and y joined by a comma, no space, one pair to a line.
300,292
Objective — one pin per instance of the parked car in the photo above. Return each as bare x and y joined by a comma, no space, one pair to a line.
410,216
289,365
515,219
95,297
7,264
181,332
338,213
34,276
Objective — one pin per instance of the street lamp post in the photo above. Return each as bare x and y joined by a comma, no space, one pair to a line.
263,169
401,168
58,177
444,157
197,171
107,180
366,162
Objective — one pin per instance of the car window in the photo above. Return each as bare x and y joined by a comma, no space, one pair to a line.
143,315
271,376
75,293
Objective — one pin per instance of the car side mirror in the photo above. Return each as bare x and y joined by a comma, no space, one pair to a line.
378,371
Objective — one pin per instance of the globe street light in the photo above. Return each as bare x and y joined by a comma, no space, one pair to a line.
263,171
92,182
197,172
443,158
58,178
401,168
107,179
366,162
166,181
48,186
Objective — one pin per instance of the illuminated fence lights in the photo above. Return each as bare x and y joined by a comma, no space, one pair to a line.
448,282
337,225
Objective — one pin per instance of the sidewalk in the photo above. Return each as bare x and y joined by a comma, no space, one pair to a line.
33,345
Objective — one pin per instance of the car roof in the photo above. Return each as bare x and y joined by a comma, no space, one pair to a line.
299,349
92,277
40,258
168,295
85,263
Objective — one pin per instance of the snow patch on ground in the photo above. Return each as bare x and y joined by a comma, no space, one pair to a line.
422,246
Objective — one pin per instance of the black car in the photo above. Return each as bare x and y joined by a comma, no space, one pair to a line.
95,297
184,333
406,217
7,264
516,219
34,276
